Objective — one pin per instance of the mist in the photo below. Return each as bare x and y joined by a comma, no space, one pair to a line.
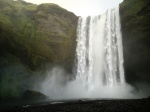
56,83
16,78
57,86
99,64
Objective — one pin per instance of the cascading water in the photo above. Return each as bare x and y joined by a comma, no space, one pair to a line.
99,62
99,55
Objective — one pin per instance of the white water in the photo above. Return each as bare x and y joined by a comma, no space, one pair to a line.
99,63
99,50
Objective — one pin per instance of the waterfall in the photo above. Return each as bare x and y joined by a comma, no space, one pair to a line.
99,61
99,51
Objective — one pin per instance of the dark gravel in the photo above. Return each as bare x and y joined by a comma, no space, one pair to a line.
140,105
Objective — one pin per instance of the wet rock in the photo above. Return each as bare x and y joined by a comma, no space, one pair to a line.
33,95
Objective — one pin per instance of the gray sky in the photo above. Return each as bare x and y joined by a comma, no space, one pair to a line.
83,7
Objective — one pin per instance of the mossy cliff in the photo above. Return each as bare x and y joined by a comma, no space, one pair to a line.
37,34
32,36
135,20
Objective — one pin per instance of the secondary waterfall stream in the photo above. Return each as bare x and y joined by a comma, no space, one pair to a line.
99,55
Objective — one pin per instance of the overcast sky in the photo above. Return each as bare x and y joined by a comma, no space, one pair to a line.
83,7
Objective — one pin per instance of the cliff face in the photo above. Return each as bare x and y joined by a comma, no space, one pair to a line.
32,36
37,34
135,20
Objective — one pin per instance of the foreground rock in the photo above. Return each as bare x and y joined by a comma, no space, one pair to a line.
34,95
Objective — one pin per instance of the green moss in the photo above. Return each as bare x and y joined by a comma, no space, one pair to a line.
31,7
29,37
41,14
135,28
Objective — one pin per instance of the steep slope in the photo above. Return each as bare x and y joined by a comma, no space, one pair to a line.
32,36
37,34
135,19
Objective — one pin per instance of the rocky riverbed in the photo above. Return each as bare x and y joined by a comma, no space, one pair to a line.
138,105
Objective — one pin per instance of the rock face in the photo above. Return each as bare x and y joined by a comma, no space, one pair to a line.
30,37
37,34
135,20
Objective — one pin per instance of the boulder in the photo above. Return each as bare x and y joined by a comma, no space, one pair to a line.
34,95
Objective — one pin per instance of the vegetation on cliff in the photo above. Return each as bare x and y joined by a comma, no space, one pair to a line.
30,37
37,34
135,20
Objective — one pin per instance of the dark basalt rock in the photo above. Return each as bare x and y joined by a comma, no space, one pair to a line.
139,105
33,95
135,23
